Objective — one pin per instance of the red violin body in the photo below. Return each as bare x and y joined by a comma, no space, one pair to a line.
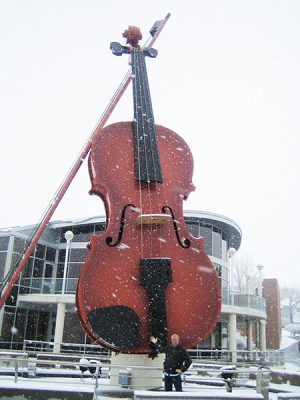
111,275
145,275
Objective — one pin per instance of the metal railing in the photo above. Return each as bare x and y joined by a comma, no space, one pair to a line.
128,377
244,357
65,348
243,300
13,360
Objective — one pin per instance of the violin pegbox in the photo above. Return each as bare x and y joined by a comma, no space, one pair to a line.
133,36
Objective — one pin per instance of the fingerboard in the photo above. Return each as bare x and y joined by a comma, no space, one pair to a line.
146,154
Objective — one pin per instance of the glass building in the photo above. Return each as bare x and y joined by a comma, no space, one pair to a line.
41,306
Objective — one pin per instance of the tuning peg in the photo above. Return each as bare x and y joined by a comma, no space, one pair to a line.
117,49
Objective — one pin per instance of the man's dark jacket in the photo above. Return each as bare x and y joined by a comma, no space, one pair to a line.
176,358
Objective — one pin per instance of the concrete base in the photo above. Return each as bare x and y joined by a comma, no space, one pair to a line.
141,371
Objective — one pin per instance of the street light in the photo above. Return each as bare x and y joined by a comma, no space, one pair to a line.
260,268
248,277
68,236
231,252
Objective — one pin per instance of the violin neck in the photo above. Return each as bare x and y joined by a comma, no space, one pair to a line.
147,161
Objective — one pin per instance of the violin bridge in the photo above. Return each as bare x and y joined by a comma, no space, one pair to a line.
153,219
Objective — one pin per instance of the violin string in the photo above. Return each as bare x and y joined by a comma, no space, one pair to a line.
136,84
154,158
142,94
150,138
136,153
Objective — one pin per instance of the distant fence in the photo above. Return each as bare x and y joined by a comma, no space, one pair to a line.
268,357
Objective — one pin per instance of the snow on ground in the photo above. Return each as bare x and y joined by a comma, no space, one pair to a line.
286,339
108,392
288,344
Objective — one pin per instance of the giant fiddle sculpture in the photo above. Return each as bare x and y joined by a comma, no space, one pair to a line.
145,275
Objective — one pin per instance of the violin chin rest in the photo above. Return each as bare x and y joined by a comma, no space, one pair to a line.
118,326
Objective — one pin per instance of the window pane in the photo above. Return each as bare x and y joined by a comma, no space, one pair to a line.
31,325
218,269
217,245
205,232
20,325
50,254
2,263
193,228
78,255
74,270
99,229
38,268
61,255
19,245
15,260
27,272
40,251
60,271
8,321
4,240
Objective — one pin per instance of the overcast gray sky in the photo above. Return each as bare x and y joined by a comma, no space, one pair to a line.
226,79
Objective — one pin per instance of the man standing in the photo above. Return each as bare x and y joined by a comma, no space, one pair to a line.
176,362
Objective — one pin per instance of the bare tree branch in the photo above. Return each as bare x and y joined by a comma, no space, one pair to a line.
292,294
245,276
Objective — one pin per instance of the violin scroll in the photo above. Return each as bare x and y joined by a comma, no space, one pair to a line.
133,36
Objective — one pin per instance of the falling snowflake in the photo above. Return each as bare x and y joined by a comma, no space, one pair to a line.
123,246
162,240
136,209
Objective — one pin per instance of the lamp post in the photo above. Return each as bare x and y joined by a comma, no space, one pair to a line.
248,277
231,252
232,316
260,268
68,236
61,306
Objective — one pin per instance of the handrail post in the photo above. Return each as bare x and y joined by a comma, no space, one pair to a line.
16,370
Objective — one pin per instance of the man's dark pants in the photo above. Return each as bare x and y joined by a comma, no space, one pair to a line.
176,380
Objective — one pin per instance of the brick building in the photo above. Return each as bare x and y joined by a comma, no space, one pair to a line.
273,325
